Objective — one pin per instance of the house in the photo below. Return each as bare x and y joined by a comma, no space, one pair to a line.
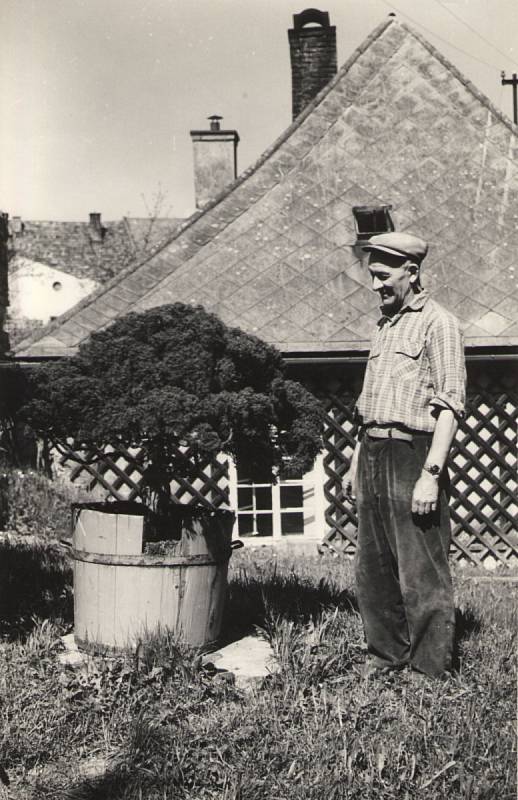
4,266
396,138
54,265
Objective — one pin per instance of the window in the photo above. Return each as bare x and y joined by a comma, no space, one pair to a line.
292,508
255,516
370,220
275,510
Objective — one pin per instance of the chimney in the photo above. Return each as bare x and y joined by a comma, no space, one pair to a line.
16,226
313,56
4,294
96,229
215,160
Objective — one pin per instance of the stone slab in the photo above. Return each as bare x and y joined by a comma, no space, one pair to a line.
72,656
249,659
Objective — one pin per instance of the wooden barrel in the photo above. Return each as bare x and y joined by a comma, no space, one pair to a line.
122,594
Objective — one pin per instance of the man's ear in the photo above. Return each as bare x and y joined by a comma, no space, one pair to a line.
414,272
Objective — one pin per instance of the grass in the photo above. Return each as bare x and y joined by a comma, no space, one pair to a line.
163,727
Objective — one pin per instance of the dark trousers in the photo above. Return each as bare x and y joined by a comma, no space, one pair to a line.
402,574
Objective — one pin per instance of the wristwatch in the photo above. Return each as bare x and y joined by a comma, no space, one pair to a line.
434,470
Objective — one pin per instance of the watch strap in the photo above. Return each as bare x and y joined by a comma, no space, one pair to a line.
433,469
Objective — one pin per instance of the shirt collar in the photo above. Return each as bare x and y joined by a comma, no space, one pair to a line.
416,303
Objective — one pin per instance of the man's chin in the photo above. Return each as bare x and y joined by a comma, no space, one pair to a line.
389,306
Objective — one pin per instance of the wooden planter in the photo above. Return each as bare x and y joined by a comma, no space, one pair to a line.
122,594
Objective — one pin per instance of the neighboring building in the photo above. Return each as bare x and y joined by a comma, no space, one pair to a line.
398,138
4,293
54,265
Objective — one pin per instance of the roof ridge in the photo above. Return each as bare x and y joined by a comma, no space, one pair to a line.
82,222
469,85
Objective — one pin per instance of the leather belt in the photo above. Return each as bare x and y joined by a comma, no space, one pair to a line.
388,433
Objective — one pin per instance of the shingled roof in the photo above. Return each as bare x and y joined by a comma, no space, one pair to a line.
74,247
273,255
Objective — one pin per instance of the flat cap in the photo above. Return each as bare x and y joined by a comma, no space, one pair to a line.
398,244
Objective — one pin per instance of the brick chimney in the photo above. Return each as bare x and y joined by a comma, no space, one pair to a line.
95,227
215,160
16,226
313,56
4,274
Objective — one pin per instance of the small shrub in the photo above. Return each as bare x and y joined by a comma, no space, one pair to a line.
182,386
40,506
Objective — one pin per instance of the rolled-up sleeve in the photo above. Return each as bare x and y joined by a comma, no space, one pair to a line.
445,347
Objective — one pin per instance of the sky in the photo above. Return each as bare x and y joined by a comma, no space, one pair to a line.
97,97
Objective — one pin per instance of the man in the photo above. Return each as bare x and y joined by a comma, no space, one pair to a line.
412,397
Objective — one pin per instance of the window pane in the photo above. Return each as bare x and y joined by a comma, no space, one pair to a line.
251,525
244,498
264,524
263,497
372,219
292,497
245,524
292,523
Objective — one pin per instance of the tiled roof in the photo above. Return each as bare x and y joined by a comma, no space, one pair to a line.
398,125
74,247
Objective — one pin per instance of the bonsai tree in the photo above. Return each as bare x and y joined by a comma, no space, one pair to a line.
176,379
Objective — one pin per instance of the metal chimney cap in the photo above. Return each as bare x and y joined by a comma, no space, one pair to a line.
311,16
215,122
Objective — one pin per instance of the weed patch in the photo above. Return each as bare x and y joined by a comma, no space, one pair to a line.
40,506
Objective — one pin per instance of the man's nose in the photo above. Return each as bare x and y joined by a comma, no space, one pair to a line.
376,284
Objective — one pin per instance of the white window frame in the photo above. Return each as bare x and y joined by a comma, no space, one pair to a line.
313,507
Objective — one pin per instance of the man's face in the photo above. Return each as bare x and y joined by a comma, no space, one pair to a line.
392,280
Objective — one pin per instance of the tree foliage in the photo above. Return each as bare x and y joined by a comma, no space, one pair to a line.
172,376
16,442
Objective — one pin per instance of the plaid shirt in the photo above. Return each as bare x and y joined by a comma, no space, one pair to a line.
416,367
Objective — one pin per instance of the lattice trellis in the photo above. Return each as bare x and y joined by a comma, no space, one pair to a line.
484,503
120,476
340,439
483,465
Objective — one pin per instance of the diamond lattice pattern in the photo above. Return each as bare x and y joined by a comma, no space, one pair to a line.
483,469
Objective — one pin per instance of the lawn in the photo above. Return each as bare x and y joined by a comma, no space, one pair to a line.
166,727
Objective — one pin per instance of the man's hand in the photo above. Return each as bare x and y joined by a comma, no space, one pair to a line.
425,494
349,484
349,479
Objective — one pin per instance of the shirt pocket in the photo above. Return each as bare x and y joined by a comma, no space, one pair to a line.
407,359
373,361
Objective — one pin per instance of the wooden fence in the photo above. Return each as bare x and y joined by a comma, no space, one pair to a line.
483,467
